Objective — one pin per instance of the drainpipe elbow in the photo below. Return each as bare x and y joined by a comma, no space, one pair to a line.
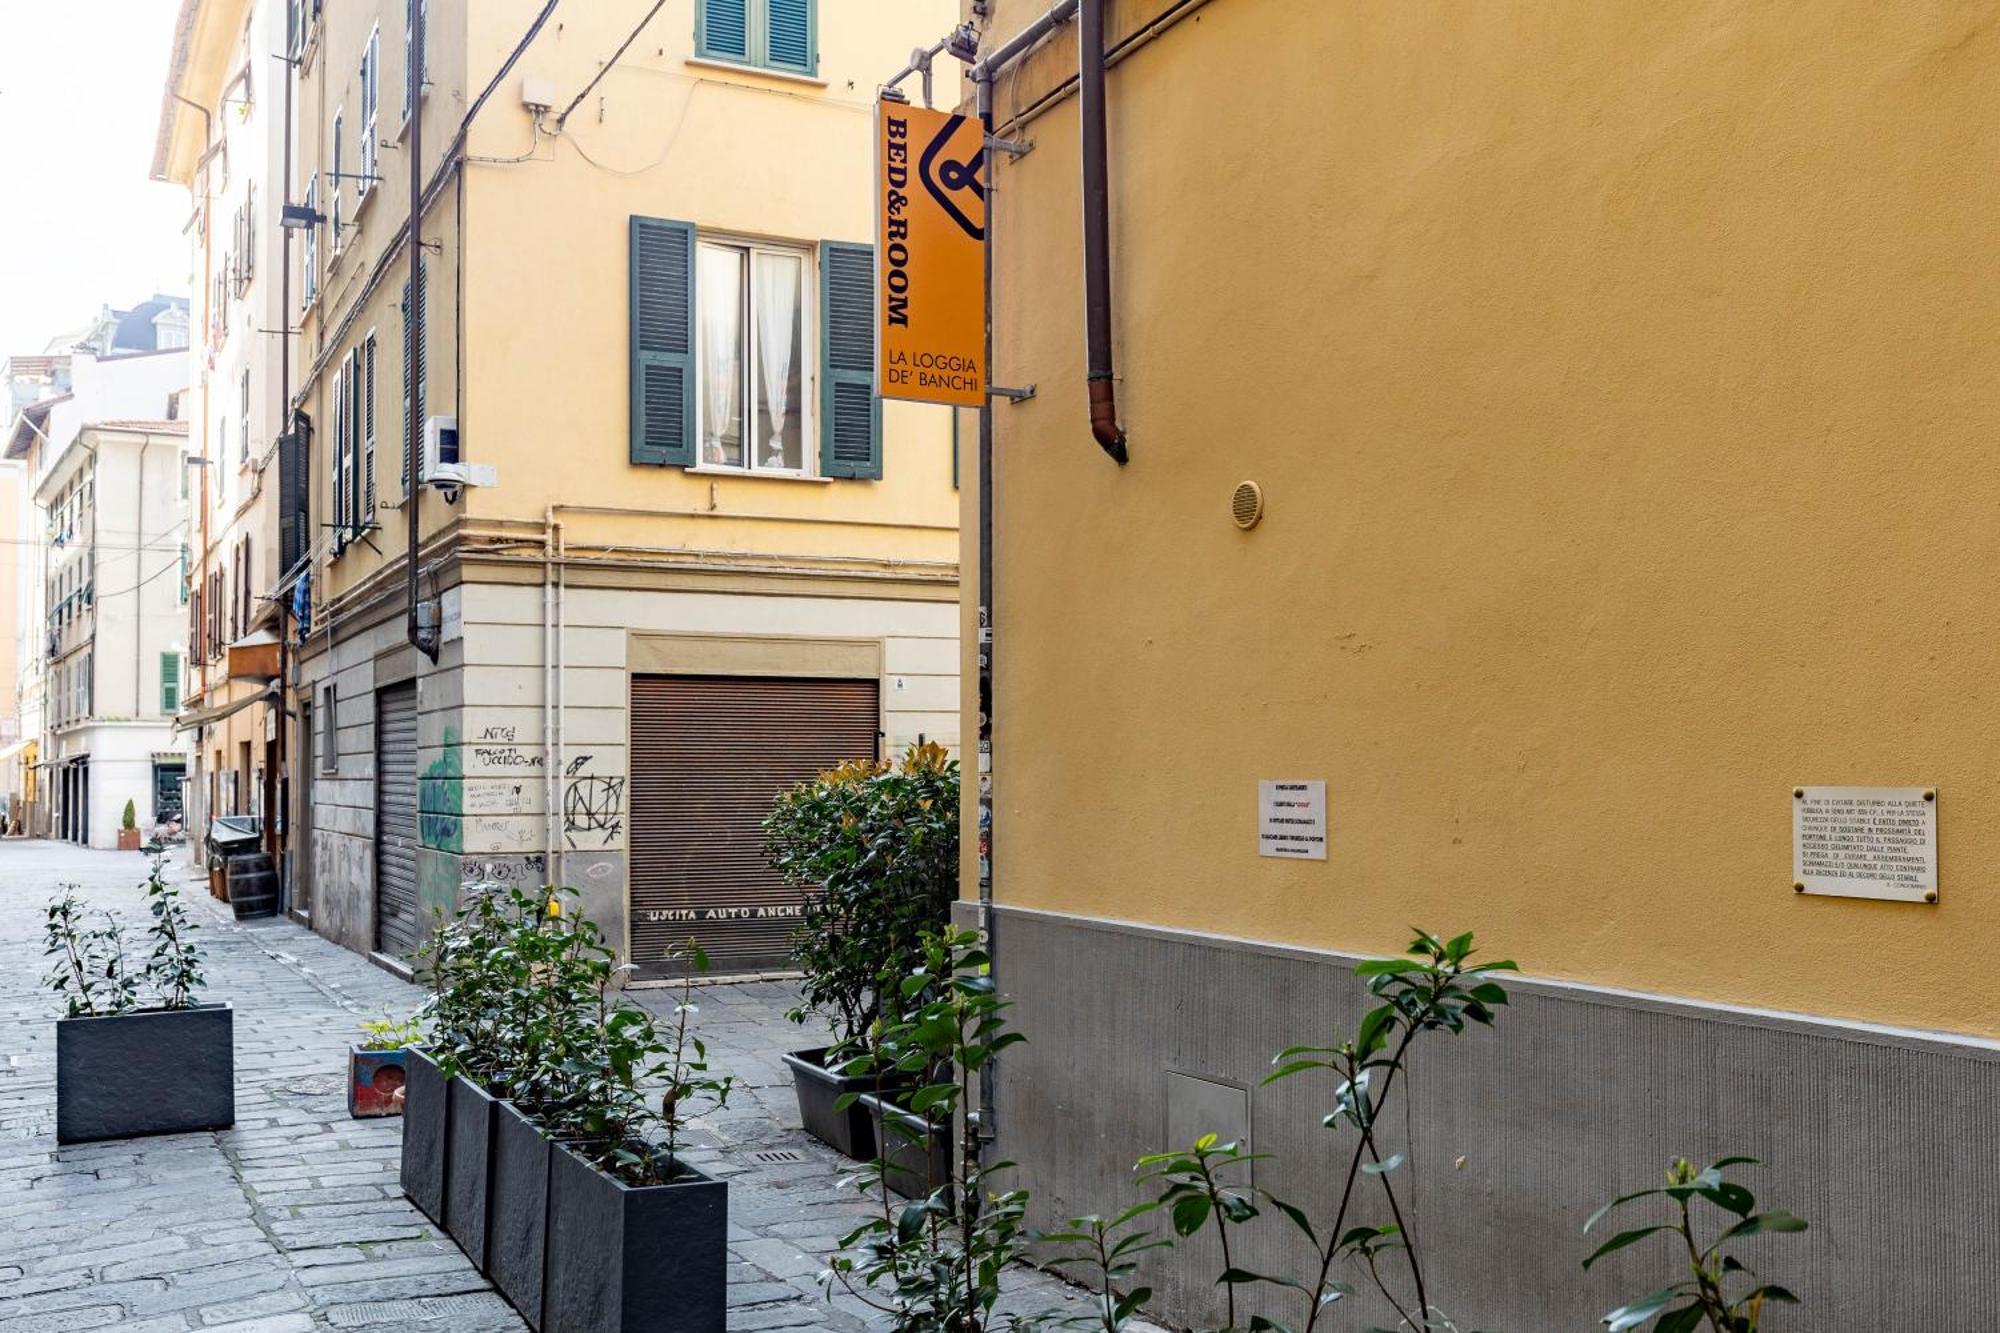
1104,419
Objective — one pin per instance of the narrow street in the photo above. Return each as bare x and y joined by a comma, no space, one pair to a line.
293,1220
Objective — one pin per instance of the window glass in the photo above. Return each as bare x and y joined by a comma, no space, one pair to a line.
719,301
778,288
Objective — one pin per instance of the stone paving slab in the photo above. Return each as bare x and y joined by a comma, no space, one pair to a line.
293,1219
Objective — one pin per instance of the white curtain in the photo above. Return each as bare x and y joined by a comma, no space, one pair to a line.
777,295
720,301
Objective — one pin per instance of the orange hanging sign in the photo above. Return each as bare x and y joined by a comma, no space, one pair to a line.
930,237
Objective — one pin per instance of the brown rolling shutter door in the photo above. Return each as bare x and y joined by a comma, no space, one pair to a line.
709,754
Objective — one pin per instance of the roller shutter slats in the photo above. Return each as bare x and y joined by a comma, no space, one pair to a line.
709,755
398,931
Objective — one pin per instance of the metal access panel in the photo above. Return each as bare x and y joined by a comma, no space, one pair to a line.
709,755
398,931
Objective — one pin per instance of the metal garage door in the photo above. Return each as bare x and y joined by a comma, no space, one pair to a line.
708,755
398,932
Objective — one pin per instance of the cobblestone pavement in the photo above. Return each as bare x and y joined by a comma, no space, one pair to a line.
293,1220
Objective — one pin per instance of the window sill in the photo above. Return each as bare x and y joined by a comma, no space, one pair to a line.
744,474
763,71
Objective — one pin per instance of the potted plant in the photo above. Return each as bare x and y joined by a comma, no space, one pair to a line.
467,1020
875,846
637,1238
555,1003
179,1051
128,829
376,1069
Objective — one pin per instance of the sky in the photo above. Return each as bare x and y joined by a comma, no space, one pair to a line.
81,226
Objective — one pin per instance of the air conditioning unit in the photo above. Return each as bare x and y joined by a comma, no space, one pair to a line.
441,449
442,465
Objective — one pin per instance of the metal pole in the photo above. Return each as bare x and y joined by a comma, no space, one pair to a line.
413,426
983,760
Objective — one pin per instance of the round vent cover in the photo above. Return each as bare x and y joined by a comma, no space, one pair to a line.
1246,506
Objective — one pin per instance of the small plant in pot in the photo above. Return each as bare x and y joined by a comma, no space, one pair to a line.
637,1238
128,829
376,1067
177,1053
875,847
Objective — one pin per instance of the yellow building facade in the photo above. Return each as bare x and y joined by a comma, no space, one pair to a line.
675,566
1618,383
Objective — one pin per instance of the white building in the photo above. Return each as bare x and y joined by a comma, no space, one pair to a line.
107,597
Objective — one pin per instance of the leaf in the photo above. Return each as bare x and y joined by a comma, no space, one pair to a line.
1773,1292
1777,1220
1621,1240
1243,1276
1383,967
1385,1166
1639,1311
1732,1197
1618,1202
1684,1320
1190,1213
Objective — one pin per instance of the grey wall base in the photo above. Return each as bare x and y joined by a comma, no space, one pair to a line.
1884,1141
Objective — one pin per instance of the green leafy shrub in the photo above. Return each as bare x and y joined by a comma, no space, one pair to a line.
130,820
525,999
1704,1295
89,973
173,969
875,846
390,1034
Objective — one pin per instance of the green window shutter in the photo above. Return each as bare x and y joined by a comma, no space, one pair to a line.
789,39
722,28
850,415
170,683
368,433
662,278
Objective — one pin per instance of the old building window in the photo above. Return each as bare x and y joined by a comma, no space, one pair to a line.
777,34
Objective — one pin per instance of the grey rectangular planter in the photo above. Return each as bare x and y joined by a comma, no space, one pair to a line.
918,1154
425,1121
151,1071
625,1259
850,1131
517,1211
468,1166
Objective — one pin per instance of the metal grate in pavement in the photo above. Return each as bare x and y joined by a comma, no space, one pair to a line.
775,1156
397,1313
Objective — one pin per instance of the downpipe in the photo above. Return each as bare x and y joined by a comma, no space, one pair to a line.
1104,427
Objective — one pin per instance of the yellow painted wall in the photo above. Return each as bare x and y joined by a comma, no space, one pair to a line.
1623,382
546,286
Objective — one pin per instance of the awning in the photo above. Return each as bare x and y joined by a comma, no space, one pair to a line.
201,717
10,751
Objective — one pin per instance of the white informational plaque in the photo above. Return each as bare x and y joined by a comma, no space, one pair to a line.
1291,820
1866,842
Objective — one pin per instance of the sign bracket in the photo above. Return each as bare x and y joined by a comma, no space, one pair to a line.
1011,147
1020,395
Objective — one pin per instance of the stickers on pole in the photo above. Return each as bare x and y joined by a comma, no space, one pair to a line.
1866,842
930,244
1291,820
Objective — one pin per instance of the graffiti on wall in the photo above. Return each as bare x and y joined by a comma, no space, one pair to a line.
441,799
593,806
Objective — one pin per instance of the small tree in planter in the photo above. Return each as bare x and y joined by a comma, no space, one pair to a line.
181,1051
876,847
637,1238
128,829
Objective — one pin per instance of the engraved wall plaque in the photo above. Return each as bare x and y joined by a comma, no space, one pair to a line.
1865,842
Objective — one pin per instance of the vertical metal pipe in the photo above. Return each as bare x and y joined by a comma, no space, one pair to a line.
1097,232
282,787
983,775
413,425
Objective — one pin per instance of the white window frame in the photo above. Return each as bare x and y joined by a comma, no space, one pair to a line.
310,279
338,193
808,256
412,66
329,725
371,109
